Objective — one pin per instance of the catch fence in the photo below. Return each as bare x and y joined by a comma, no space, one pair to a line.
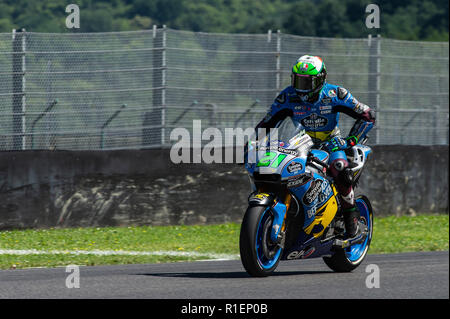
129,90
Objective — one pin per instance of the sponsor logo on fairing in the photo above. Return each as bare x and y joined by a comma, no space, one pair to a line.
311,212
313,192
299,181
286,151
301,254
326,191
294,167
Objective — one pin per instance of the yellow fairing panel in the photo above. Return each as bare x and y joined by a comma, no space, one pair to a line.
324,215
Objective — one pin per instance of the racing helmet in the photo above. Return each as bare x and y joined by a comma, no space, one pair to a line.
308,74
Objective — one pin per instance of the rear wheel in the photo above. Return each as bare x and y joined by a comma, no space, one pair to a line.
347,259
259,255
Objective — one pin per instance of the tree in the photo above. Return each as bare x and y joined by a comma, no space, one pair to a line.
408,20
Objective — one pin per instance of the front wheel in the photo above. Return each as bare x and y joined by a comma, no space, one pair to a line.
346,260
259,255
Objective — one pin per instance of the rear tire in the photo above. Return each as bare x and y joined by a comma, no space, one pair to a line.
259,255
347,259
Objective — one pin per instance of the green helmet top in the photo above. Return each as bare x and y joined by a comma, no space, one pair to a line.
308,74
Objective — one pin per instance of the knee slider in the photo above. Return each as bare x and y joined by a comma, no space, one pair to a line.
340,165
342,172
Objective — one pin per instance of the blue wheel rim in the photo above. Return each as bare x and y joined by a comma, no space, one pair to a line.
356,251
263,261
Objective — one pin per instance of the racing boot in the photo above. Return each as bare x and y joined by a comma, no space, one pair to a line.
356,231
352,227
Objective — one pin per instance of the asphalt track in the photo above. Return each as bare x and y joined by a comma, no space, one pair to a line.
409,275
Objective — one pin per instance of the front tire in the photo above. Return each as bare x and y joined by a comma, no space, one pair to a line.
346,260
259,255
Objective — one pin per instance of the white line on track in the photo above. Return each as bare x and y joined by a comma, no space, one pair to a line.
212,256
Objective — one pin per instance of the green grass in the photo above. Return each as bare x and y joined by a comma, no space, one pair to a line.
222,239
391,235
406,234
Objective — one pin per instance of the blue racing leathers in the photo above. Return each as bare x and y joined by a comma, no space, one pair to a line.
320,117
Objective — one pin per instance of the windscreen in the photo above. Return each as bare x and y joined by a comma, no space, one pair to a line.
288,128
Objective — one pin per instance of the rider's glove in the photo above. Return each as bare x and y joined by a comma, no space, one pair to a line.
336,144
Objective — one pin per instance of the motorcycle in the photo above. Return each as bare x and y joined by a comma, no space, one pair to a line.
294,211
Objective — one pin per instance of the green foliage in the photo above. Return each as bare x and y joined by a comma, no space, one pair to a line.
406,20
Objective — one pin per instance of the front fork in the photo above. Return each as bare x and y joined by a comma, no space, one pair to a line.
279,209
278,227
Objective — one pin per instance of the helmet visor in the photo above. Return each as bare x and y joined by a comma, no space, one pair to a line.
303,83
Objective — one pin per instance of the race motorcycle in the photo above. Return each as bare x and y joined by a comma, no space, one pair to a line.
294,209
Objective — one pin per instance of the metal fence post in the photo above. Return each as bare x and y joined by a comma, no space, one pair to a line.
18,88
278,58
154,120
269,35
163,90
374,78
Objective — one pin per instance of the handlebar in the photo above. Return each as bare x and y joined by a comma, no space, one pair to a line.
314,159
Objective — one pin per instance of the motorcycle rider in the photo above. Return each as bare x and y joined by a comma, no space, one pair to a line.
316,104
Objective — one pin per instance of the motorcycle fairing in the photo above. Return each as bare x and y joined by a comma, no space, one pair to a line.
308,243
323,216
326,192
261,199
321,155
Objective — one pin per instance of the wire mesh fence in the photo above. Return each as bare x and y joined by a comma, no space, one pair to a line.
123,90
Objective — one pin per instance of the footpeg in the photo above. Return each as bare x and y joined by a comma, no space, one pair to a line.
338,243
344,243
